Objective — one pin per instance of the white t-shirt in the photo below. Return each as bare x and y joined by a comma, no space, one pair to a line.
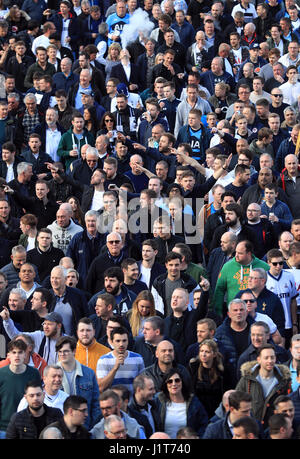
284,288
97,202
30,243
145,275
10,173
176,417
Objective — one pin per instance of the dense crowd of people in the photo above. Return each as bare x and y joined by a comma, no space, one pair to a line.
149,219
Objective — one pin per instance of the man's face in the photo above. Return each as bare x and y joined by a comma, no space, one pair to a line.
203,332
27,273
194,121
36,301
15,302
237,313
295,350
41,56
285,241
230,218
253,213
3,111
78,124
65,354
57,279
111,285
19,259
34,144
53,380
133,271
149,390
4,209
149,332
267,359
188,183
192,93
101,308
274,123
250,301
91,223
173,267
178,301
121,103
121,150
292,75
295,132
255,281
265,162
41,190
110,170
114,245
109,203
134,163
276,265
154,184
120,343
270,196
291,164
287,408
85,333
108,407
35,398
16,357
62,218
226,244
227,200
258,336
264,177
163,230
164,144
165,352
148,253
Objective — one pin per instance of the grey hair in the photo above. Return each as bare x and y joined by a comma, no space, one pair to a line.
92,151
20,292
237,301
110,419
62,270
30,96
51,433
262,272
22,167
14,95
73,270
17,249
91,213
28,339
48,368
289,109
103,28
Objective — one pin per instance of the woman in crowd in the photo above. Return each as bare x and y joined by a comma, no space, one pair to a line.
113,58
142,308
207,375
78,215
179,407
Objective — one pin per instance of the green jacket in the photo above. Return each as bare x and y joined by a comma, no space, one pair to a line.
196,271
66,145
262,408
232,278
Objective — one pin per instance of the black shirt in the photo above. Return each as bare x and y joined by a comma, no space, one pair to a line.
241,340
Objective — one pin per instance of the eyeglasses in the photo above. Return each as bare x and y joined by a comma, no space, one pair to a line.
255,278
275,263
276,95
175,380
250,301
82,410
113,242
120,432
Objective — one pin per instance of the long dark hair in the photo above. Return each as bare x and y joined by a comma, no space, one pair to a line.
102,122
95,123
186,389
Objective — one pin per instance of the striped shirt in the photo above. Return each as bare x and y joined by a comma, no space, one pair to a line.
133,365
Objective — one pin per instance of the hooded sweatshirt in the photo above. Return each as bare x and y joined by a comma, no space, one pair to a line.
232,278
62,236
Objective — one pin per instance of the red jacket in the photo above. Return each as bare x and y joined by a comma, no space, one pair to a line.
39,363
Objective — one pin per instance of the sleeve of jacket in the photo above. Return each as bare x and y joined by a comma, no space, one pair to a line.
242,385
62,150
220,291
11,431
91,278
159,304
95,407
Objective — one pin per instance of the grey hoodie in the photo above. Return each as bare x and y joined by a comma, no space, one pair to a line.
184,109
62,236
133,428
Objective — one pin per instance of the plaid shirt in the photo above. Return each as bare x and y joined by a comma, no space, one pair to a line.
29,123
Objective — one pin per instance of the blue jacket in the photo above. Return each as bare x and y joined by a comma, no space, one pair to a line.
82,253
185,137
87,387
74,31
295,397
60,81
207,80
186,33
122,307
286,147
38,165
220,430
145,128
197,417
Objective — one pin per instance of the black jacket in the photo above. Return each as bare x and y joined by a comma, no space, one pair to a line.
118,72
156,270
81,433
190,319
95,279
46,214
3,167
147,350
45,261
22,426
135,411
245,234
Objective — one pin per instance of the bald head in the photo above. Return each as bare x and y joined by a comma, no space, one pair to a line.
159,436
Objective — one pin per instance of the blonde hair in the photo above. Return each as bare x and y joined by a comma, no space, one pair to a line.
135,317
217,366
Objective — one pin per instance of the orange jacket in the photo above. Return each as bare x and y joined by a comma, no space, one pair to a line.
90,355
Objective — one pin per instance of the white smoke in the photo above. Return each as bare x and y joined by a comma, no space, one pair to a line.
139,23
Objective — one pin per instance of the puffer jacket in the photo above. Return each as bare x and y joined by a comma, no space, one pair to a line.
262,408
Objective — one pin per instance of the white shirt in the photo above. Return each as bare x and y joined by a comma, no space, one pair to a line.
65,33
52,141
290,92
145,275
175,418
10,173
30,243
127,70
55,401
97,202
133,101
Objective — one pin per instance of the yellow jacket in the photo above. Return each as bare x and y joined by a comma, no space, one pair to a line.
90,355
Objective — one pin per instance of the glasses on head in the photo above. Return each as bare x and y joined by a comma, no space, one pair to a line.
175,380
113,242
276,263
276,95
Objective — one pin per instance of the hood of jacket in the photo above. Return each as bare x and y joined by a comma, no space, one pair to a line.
250,370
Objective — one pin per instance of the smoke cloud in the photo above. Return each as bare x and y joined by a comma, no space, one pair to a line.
139,23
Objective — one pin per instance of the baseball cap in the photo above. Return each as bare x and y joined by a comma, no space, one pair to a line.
54,317
254,46
122,89
89,92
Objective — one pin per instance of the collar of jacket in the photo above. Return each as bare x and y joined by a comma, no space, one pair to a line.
78,372
90,348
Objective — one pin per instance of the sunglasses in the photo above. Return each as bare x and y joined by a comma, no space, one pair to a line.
250,301
275,263
176,381
109,121
277,95
113,242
